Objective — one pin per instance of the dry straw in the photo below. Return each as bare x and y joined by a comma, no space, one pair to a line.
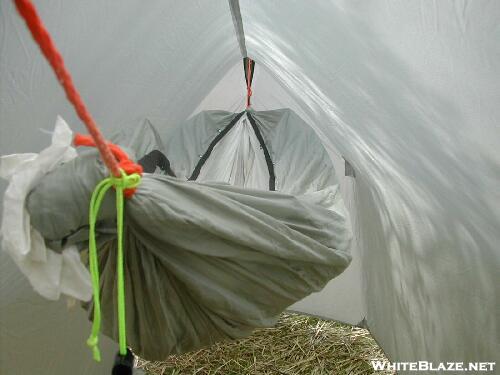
298,344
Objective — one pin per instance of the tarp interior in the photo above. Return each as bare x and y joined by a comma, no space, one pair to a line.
407,92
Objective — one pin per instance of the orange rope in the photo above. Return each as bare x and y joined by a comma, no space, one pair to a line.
42,37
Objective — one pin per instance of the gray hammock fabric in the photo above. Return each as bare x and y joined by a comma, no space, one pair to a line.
204,262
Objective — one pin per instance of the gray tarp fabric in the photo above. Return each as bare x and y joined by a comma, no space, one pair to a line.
300,162
406,91
204,261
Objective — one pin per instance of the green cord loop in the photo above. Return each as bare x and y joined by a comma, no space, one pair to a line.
120,184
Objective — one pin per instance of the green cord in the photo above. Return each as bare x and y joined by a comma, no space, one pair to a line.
120,184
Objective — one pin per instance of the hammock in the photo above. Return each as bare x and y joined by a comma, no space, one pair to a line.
204,261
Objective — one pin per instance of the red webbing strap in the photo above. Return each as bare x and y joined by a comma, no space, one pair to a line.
249,84
40,34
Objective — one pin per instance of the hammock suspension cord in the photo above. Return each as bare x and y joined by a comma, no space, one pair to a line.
124,186
125,175
42,37
120,184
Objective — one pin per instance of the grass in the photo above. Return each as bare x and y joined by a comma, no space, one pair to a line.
298,344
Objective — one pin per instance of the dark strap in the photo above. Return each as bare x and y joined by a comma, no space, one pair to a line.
217,139
154,159
269,162
255,127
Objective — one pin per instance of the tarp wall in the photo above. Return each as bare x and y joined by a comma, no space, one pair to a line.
408,92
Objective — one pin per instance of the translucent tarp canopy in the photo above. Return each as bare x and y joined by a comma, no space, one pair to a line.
406,92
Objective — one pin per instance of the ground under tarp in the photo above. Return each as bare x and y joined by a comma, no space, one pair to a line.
298,344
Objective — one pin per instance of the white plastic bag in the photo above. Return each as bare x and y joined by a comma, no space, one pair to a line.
49,272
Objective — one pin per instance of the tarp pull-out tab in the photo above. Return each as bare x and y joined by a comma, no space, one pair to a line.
349,170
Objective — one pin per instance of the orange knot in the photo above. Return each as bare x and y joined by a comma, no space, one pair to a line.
124,162
249,94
